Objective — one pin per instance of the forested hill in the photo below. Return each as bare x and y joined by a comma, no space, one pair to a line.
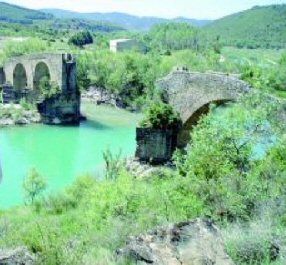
15,18
16,14
124,20
263,26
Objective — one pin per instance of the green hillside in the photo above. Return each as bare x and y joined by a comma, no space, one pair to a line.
15,14
263,27
16,20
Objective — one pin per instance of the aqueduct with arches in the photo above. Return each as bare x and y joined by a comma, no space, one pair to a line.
25,73
191,94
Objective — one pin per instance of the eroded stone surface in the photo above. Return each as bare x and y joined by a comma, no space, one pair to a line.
155,146
13,114
195,242
191,93
18,256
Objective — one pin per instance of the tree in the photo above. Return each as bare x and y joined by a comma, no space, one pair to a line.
34,185
81,38
174,36
83,67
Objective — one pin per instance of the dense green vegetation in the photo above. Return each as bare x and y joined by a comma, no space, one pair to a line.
81,38
233,170
229,183
173,36
259,27
131,76
160,115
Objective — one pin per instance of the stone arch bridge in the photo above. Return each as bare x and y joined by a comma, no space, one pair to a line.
191,93
22,76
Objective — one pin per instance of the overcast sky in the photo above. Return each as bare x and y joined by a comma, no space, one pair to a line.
201,9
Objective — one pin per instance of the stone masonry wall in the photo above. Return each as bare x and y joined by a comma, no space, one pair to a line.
188,91
62,108
155,146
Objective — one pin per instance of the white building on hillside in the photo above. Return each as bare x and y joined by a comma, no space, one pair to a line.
120,45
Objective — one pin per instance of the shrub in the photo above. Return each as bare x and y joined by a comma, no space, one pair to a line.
81,38
47,88
113,164
277,78
222,160
160,115
33,185
32,45
252,243
26,105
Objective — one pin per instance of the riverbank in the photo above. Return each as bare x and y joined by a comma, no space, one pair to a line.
100,96
91,221
61,153
15,114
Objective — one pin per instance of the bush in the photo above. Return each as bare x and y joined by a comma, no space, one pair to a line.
32,45
222,159
26,105
113,165
277,79
252,243
47,88
34,185
160,115
81,38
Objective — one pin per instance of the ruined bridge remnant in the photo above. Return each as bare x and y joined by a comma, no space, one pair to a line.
191,93
21,77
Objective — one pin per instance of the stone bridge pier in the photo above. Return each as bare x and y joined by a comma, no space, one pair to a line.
22,75
192,93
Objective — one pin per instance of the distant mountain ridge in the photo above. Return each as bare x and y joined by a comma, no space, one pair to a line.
258,27
16,14
127,21
28,17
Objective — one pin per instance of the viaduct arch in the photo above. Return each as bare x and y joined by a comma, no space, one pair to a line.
21,76
191,93
41,71
55,66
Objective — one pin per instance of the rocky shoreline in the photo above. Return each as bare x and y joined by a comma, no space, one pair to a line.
15,114
100,96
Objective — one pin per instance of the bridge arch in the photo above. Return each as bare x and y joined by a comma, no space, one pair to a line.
194,118
19,77
191,94
41,71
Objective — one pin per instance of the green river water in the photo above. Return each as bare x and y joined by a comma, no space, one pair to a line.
61,154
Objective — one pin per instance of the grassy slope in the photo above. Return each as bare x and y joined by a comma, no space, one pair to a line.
261,25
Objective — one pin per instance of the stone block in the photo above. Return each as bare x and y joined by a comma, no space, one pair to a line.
155,146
